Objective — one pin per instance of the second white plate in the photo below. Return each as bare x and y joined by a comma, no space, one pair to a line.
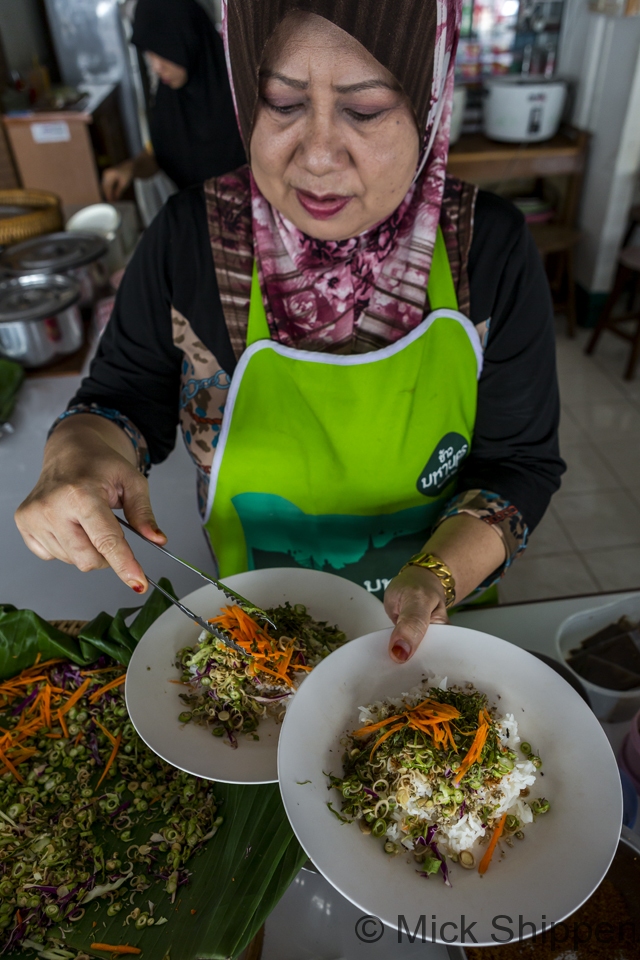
154,701
565,854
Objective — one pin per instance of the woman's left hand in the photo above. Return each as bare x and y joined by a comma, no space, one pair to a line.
413,600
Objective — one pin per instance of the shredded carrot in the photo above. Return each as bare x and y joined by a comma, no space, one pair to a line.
4,759
91,673
112,757
42,666
37,659
108,686
475,750
120,949
486,860
78,739
108,735
63,723
266,656
429,717
76,696
47,705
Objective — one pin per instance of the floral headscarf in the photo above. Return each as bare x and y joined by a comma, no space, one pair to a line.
352,295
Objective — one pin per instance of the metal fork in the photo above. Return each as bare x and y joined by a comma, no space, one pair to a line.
218,634
228,591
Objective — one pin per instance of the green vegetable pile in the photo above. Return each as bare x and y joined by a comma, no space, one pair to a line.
141,860
75,785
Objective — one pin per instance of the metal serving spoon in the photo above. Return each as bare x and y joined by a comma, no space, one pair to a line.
228,592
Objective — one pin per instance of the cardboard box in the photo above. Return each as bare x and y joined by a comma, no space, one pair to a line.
53,152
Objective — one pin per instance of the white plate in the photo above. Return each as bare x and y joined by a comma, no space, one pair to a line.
565,854
154,702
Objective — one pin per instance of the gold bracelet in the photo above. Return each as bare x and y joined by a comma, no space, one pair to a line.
430,562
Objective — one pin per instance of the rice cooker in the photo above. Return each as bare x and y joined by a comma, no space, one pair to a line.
78,255
39,318
522,109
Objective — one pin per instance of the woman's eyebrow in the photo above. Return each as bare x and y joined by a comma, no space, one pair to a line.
288,81
364,85
341,88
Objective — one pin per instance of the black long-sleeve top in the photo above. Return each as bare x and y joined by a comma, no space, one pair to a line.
137,369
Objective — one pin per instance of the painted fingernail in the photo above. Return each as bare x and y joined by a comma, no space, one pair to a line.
401,650
137,586
162,533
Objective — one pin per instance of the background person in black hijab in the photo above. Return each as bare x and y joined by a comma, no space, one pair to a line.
194,133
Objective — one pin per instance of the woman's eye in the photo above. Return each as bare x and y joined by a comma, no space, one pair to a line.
284,110
364,117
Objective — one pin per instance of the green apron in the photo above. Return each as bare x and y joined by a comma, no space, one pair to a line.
344,463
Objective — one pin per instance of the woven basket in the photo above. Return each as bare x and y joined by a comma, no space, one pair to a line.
43,214
72,627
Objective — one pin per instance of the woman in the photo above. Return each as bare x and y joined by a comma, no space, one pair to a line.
193,128
360,422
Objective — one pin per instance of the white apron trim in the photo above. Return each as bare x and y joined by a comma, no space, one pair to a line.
338,360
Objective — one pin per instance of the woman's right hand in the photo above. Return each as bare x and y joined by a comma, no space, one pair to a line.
115,180
89,470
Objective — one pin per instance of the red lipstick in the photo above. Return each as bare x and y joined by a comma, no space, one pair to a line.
322,208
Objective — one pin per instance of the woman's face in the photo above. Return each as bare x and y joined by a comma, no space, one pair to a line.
335,145
170,73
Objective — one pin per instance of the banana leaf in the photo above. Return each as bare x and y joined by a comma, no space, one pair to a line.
23,634
11,377
236,881
239,876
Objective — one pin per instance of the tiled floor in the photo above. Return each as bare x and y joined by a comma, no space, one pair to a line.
590,537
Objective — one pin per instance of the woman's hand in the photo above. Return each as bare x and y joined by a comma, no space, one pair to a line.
413,600
88,471
115,180
471,548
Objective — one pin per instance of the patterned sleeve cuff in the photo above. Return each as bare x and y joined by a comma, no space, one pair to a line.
136,438
502,516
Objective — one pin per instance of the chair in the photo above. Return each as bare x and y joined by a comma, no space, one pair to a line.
558,239
628,272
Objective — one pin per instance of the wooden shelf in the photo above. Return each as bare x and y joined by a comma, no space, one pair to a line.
475,158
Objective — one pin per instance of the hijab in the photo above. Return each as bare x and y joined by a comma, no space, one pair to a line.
193,130
357,294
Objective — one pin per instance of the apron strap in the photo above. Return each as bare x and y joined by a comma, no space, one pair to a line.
258,327
441,291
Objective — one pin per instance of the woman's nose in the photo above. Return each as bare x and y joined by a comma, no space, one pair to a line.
321,149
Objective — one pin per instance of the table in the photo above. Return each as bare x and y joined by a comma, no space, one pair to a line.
313,920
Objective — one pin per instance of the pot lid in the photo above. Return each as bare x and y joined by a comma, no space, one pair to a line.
53,253
35,297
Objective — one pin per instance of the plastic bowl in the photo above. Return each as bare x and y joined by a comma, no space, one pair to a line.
612,706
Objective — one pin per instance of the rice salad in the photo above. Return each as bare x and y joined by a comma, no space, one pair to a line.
437,772
230,693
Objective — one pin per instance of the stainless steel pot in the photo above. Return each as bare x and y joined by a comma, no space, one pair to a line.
81,256
628,852
39,318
